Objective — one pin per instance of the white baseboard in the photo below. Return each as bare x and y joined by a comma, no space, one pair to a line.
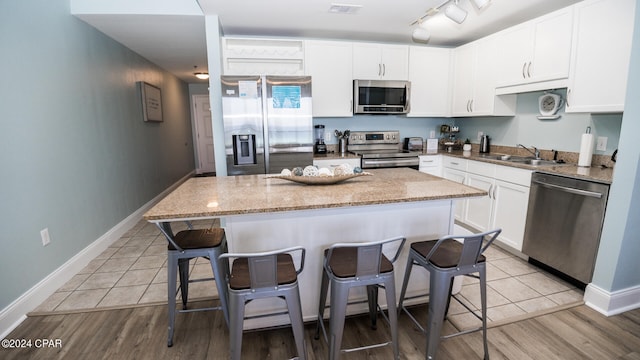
16,312
612,303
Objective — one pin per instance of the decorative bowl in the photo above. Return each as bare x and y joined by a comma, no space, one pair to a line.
319,180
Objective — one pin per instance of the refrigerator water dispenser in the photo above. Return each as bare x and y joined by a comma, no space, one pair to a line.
244,149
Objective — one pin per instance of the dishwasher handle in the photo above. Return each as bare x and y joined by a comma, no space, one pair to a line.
569,190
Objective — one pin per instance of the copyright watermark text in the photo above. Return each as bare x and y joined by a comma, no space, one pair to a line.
31,343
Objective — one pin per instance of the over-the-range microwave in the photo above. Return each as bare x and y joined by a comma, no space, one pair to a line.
381,96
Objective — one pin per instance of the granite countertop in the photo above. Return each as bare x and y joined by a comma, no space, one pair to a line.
235,195
335,155
593,173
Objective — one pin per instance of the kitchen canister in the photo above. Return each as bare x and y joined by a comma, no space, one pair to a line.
586,148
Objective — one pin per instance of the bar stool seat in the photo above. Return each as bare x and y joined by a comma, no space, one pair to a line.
265,275
445,259
348,265
181,248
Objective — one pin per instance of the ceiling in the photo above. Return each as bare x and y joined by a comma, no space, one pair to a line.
175,39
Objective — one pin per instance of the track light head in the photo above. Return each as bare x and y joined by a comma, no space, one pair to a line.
455,12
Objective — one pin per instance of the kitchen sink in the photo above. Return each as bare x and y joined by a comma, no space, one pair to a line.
519,159
533,162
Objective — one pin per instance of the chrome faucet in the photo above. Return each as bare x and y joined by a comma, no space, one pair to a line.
535,151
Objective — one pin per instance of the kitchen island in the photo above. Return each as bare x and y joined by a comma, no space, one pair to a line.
261,213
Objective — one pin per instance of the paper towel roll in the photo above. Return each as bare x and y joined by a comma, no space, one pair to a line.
586,150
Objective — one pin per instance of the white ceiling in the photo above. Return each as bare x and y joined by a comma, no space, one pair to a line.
171,34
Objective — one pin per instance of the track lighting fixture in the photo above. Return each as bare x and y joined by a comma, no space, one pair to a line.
452,10
455,12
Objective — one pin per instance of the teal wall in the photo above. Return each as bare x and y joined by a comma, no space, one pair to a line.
76,156
563,134
406,125
620,242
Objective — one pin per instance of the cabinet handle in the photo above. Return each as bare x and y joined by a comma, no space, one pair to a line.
524,65
384,69
471,105
489,191
454,163
566,101
494,193
529,69
468,108
379,69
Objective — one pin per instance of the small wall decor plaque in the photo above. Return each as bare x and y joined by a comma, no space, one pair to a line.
151,102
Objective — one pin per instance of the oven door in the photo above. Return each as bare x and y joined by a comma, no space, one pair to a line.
378,163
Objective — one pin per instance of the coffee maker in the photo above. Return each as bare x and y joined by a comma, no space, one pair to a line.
320,147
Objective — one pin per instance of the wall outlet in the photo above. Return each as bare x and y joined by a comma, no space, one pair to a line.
480,133
44,234
601,143
432,134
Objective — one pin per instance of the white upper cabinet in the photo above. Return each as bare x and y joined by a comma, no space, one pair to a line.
380,61
535,51
474,81
600,57
329,63
430,76
256,56
464,64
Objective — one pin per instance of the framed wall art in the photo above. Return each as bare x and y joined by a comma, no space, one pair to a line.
151,102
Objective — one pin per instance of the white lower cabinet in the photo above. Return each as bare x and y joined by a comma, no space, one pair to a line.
505,206
454,169
510,203
478,211
430,164
331,163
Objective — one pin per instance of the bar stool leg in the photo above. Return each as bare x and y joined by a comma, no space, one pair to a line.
172,275
324,289
438,293
218,266
236,310
338,312
483,300
405,282
183,267
295,315
372,297
390,291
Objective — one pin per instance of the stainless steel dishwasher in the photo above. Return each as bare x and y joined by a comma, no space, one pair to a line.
564,223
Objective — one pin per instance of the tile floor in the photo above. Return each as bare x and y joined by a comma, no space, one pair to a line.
132,272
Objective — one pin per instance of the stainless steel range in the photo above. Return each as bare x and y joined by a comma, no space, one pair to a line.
381,149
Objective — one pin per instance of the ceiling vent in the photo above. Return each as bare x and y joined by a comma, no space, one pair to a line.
344,8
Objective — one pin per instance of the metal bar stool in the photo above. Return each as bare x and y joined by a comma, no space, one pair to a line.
358,264
187,245
445,259
265,275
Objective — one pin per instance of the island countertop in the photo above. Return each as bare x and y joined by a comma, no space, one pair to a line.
202,197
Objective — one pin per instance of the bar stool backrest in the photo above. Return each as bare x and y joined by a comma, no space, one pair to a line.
368,261
369,255
472,248
263,271
264,274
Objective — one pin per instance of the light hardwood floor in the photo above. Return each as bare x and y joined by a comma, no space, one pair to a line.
140,333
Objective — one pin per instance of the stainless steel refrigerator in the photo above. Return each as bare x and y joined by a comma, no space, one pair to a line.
267,123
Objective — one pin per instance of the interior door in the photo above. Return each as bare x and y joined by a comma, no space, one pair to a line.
205,159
